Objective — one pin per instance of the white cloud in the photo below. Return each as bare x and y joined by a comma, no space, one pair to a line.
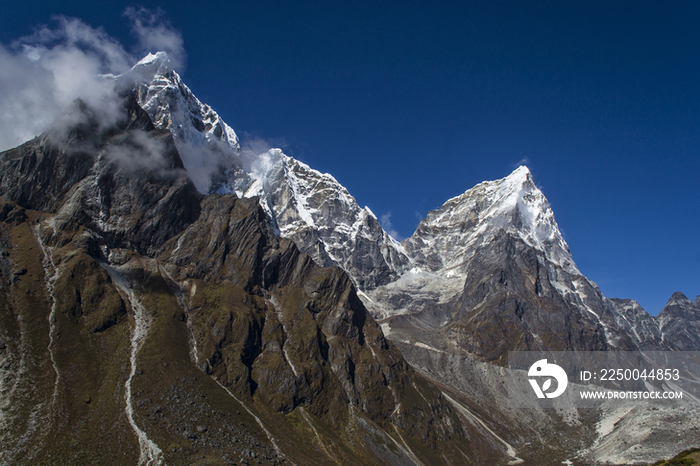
27,99
43,73
155,34
385,221
255,153
253,147
203,163
139,151
524,161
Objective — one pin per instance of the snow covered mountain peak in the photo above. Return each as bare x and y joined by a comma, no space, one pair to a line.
518,198
158,57
323,219
520,175
209,148
515,194
304,205
512,204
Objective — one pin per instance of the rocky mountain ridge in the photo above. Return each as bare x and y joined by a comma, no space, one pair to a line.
163,326
311,208
528,293
427,270
486,273
154,244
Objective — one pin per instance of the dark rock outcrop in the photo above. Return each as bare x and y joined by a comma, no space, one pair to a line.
126,183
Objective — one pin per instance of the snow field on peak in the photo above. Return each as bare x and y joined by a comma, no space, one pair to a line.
151,58
273,172
517,192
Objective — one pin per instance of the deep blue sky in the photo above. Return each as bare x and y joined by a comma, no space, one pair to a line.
409,103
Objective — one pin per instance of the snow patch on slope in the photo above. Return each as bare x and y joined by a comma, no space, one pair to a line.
150,454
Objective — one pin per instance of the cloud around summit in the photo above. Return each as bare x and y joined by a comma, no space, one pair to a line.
41,74
155,34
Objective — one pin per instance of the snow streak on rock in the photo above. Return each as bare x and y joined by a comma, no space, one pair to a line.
405,448
319,440
150,454
268,434
280,317
184,299
510,451
52,272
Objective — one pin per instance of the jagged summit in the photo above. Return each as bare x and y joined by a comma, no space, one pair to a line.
209,148
512,204
152,61
325,221
678,298
519,197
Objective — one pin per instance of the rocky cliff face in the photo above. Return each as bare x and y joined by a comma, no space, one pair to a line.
127,182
